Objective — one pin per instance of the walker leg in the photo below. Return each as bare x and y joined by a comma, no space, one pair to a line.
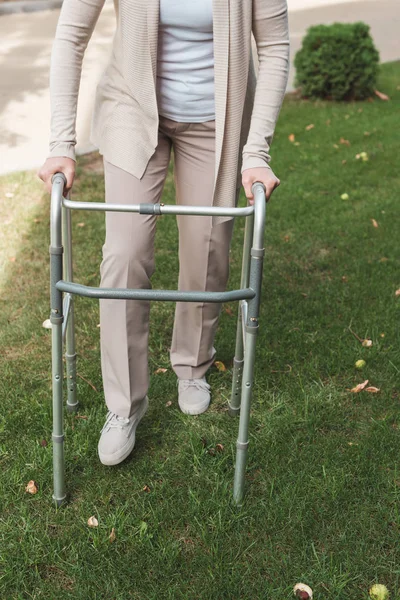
234,404
70,354
56,318
243,442
251,329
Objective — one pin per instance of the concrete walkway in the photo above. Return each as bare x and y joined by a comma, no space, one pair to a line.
26,40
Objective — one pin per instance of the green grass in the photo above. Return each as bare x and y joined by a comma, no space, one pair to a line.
323,481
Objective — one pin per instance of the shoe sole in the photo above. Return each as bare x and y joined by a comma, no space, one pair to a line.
116,458
198,409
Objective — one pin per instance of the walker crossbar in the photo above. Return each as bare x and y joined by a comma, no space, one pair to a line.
167,295
62,311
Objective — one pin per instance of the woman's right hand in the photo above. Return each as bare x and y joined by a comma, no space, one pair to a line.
57,164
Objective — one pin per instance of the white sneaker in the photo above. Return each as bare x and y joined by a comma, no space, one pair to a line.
193,395
117,438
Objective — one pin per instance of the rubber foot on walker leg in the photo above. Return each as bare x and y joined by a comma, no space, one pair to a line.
72,407
60,501
232,411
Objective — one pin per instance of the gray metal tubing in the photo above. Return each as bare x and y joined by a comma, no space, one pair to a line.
166,295
66,308
257,253
160,209
234,404
56,318
70,353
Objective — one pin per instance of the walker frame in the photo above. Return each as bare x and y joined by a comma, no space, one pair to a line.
62,292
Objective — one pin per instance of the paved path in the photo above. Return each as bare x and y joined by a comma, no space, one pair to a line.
26,40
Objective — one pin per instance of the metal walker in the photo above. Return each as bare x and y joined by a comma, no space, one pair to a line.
62,311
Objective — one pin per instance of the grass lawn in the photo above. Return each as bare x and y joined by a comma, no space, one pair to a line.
323,479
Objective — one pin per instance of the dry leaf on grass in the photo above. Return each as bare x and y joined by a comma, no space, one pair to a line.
219,448
374,223
311,126
31,487
169,403
372,390
93,522
343,141
291,137
302,591
112,536
46,324
397,293
81,224
146,489
360,387
220,365
160,370
381,95
367,343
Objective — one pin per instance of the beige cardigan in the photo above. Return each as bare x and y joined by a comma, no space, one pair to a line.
125,118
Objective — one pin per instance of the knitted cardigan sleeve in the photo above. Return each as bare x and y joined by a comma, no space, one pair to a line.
271,33
74,30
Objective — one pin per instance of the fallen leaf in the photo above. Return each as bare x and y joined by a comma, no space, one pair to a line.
343,141
12,259
112,536
220,365
228,311
93,522
37,220
81,224
367,133
397,293
360,387
367,343
382,334
372,389
335,146
374,223
43,443
383,259
46,324
146,489
311,126
169,403
219,448
381,95
286,238
302,591
291,137
160,370
32,487
344,162
98,325
297,144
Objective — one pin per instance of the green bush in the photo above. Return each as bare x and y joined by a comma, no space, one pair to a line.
337,62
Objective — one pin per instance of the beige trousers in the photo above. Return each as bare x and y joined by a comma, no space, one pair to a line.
128,262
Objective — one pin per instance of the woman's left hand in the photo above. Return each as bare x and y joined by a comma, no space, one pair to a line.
263,174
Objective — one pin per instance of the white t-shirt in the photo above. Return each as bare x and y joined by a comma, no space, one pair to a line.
185,64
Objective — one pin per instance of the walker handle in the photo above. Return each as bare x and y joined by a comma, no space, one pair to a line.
63,177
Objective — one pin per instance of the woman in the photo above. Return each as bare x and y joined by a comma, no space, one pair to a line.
180,76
